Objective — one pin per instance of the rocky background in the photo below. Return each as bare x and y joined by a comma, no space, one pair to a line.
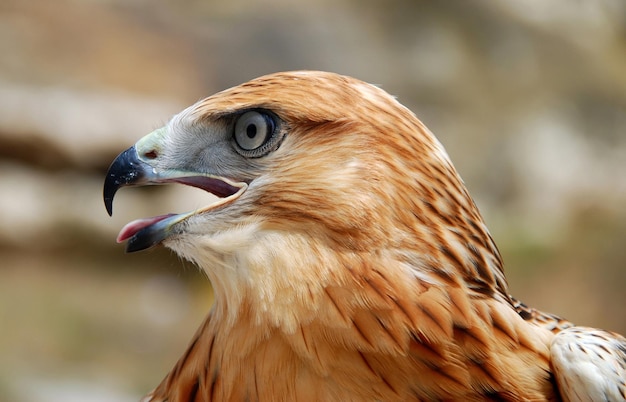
529,98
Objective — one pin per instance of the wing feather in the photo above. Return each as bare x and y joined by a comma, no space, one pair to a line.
589,365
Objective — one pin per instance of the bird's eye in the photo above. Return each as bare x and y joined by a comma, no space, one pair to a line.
253,130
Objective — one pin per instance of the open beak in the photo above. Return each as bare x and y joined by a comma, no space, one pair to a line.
134,167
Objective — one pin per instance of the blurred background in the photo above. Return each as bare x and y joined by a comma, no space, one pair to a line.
528,97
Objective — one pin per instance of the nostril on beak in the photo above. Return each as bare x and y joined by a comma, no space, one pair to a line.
151,154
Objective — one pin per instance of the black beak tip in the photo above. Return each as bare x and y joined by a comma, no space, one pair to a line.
108,194
131,248
125,170
108,204
144,239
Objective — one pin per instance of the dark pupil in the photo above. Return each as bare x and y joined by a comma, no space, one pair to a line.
251,131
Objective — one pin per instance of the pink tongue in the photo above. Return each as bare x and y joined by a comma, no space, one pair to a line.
133,227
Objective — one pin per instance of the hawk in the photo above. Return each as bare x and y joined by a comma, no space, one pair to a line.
348,261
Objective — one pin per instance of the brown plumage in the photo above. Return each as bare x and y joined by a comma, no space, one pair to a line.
349,262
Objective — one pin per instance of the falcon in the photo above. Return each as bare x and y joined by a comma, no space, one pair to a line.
348,261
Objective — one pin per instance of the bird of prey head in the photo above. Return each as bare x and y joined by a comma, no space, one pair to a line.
347,258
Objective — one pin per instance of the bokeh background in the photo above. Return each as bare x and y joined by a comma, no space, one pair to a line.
528,97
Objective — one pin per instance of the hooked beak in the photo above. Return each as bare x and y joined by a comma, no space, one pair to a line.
135,167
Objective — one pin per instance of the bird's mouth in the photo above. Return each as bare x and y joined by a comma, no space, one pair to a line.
131,169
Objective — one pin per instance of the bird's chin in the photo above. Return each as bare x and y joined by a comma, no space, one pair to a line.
144,233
